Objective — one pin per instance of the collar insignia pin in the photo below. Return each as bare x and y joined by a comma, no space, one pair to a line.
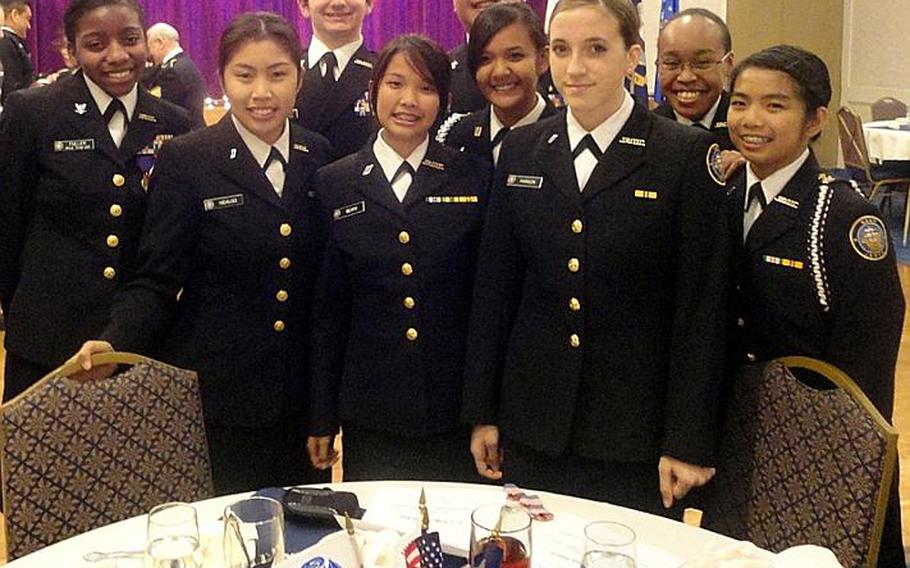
81,108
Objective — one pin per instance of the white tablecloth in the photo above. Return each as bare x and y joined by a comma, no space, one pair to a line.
887,140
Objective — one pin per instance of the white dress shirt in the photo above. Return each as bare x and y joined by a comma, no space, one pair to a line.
343,55
118,124
603,135
496,125
389,160
771,187
260,151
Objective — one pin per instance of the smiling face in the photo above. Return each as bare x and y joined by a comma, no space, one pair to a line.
407,105
508,72
767,119
261,80
694,65
110,47
336,22
589,62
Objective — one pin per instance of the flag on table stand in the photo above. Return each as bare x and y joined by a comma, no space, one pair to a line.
638,85
424,552
668,9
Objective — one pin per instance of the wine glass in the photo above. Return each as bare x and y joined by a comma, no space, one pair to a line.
253,533
609,545
500,536
173,537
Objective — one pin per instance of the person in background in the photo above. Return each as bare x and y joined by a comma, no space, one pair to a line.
334,100
393,295
507,54
175,77
598,316
70,65
232,230
18,69
74,164
815,270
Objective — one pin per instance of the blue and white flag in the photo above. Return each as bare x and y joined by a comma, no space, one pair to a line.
668,9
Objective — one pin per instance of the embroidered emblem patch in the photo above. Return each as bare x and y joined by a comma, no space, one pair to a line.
349,210
869,237
715,165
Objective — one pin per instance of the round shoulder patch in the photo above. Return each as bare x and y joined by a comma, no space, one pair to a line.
715,165
869,237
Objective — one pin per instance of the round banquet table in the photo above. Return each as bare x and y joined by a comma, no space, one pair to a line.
657,533
887,140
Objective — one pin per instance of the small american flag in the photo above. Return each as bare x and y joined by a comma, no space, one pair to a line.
424,552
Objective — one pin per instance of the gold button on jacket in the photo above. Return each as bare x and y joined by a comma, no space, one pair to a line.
407,269
118,180
411,334
285,230
574,265
113,241
110,273
284,263
577,226
409,303
278,326
404,238
575,341
282,296
574,304
116,210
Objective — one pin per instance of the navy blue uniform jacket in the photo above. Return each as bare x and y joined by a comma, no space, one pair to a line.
718,125
389,340
598,317
244,261
72,206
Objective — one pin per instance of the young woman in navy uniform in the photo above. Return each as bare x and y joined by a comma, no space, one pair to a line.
507,54
815,269
334,100
596,341
73,189
231,231
393,295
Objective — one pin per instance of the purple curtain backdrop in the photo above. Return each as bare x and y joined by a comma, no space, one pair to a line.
200,23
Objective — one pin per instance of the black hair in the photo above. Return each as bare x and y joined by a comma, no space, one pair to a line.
258,26
495,19
425,56
626,15
77,9
726,38
8,5
806,69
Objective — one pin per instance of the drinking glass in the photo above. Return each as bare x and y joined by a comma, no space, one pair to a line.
173,537
501,536
253,533
609,545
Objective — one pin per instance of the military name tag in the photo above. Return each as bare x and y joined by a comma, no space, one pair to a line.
83,145
452,199
223,202
524,182
785,262
349,210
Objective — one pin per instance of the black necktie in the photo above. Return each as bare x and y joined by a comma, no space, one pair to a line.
587,143
404,168
330,62
756,193
115,106
274,156
497,139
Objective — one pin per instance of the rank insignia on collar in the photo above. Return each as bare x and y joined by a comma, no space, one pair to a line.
81,108
720,124
454,65
552,138
433,164
869,238
233,153
363,63
147,117
791,203
826,178
478,131
715,164
302,148
367,170
155,91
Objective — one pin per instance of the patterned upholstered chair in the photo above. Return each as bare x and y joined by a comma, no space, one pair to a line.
800,465
76,456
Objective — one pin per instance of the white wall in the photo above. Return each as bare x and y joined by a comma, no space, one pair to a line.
650,15
876,52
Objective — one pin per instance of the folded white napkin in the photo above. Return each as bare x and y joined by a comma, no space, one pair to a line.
744,554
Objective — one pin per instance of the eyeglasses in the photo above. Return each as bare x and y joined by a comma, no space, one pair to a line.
675,66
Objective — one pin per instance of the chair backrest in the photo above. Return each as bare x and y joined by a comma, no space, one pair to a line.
76,456
800,465
853,142
888,108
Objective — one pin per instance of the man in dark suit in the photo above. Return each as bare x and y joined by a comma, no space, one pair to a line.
175,77
695,57
333,100
19,71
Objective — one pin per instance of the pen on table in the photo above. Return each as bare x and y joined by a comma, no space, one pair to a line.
349,528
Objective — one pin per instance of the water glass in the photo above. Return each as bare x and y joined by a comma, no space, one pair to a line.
609,545
173,537
253,533
500,536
